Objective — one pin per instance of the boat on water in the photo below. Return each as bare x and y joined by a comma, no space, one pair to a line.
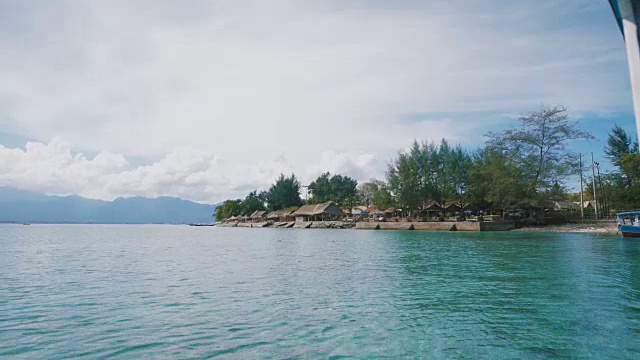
629,223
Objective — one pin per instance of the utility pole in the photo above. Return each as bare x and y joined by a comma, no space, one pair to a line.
581,192
604,209
593,182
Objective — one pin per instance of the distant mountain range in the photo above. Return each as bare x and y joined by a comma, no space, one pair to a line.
29,207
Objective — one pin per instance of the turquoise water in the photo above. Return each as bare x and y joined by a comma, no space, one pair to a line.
189,292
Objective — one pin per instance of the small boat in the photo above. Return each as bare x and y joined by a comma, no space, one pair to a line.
629,223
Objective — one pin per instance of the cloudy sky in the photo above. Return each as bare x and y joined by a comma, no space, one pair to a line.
208,100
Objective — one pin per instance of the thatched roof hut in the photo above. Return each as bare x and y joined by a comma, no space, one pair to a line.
258,215
565,206
279,215
307,212
432,206
453,206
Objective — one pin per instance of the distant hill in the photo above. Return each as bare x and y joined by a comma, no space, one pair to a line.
30,207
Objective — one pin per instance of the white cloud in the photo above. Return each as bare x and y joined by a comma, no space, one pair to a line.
298,82
188,173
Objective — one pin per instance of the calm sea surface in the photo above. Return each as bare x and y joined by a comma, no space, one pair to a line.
185,292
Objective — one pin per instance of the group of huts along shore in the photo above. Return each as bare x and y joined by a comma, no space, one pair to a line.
330,216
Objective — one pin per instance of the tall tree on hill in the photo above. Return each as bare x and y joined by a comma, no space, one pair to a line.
538,148
284,193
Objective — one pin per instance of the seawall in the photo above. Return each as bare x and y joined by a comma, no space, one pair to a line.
439,226
418,225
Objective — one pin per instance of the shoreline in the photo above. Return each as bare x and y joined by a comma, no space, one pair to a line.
594,228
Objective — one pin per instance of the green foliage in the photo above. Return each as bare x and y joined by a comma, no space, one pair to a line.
365,192
228,209
622,187
522,167
376,193
538,148
284,193
337,188
495,181
621,196
382,198
619,145
556,192
429,172
252,203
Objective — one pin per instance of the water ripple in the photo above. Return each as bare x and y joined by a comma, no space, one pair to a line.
183,292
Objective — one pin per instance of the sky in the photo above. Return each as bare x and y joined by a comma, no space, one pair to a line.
208,100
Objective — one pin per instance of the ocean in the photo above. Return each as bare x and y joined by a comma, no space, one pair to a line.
159,291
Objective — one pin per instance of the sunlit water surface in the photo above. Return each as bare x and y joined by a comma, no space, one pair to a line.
179,291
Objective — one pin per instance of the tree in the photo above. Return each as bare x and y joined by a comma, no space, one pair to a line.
337,188
429,172
538,147
556,192
228,209
344,188
320,189
382,198
284,193
405,179
252,203
365,192
619,144
495,181
375,192
453,174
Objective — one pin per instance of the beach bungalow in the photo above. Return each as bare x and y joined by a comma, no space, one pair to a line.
258,216
452,207
281,215
318,212
589,204
471,207
565,206
432,207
